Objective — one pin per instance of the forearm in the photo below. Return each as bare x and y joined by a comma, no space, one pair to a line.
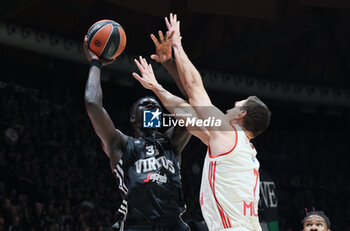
188,73
93,91
169,100
170,66
182,110
191,79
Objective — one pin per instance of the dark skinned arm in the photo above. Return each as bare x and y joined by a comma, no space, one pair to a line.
113,140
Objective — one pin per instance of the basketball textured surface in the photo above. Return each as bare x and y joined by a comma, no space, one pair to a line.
107,39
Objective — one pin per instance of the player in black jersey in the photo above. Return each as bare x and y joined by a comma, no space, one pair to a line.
147,166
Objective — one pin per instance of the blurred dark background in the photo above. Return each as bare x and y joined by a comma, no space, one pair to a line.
294,55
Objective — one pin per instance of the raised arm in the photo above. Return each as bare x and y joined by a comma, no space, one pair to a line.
188,74
174,104
164,56
112,139
198,97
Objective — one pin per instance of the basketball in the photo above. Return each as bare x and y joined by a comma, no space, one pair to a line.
107,39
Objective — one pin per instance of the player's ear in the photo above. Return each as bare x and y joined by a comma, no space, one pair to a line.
241,114
132,118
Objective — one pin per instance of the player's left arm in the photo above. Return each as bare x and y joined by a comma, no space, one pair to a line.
179,136
163,55
174,104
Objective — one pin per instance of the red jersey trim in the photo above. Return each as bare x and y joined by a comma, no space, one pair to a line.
223,215
222,154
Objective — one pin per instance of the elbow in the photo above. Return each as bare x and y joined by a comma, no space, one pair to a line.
93,99
93,109
88,100
90,104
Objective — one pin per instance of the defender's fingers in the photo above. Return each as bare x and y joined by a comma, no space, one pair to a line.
167,23
172,20
161,36
142,61
154,57
150,67
155,40
139,66
145,64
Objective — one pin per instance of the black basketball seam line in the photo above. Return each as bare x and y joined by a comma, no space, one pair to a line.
104,20
120,38
92,39
108,38
116,29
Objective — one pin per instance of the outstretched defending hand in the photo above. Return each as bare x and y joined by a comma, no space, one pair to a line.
148,80
174,27
91,55
163,47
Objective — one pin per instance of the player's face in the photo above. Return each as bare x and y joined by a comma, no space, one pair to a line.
145,104
315,223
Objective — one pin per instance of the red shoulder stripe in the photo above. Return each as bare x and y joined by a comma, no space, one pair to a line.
209,152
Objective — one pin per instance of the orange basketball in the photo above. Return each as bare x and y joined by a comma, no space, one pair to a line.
107,39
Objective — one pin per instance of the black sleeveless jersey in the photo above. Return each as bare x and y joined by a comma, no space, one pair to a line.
149,181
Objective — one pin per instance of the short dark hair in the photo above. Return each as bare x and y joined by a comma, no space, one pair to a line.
133,107
258,115
318,213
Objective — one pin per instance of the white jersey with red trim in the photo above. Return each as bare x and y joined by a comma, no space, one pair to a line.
229,192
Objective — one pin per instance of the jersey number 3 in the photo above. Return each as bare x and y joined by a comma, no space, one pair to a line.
151,150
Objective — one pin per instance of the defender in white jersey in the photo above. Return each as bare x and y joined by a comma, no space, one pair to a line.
230,184
229,192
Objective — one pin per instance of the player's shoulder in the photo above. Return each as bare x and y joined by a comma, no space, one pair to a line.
228,142
120,140
238,132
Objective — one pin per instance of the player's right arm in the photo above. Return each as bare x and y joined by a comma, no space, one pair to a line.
222,136
112,139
